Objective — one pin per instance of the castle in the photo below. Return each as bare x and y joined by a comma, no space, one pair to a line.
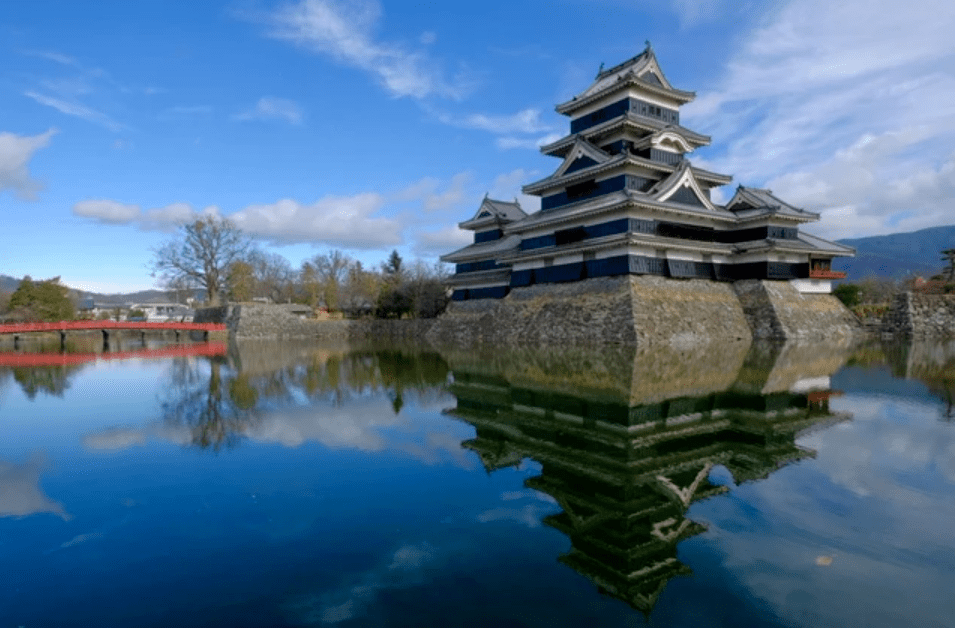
626,200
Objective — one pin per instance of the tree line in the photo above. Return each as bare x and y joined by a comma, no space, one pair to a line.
213,255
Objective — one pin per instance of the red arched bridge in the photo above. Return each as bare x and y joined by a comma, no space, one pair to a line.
18,329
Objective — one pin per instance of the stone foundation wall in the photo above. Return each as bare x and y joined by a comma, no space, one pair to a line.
778,311
633,310
920,315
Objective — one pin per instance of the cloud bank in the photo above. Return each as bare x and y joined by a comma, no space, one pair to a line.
834,115
344,31
16,151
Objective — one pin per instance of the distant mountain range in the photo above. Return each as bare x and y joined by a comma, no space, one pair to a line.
9,284
897,255
893,256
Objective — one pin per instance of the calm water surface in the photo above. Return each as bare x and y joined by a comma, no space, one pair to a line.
299,485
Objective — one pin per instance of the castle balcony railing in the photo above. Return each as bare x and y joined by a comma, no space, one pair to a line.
827,274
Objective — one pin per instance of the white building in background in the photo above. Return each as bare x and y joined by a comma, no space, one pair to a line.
162,312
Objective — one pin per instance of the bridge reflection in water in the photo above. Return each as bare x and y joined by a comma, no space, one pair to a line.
627,444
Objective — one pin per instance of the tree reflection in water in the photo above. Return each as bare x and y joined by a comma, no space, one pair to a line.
220,400
48,380
214,412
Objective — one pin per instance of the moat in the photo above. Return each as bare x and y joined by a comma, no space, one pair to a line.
264,483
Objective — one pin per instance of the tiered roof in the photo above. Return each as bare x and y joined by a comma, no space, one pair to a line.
642,70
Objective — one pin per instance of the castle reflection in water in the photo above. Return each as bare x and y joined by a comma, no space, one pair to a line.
628,444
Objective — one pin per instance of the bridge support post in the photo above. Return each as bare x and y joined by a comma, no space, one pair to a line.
16,341
142,337
62,340
106,340
176,331
205,336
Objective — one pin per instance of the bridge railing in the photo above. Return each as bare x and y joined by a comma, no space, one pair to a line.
17,328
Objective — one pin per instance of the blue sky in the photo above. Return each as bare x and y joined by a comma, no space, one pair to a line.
367,126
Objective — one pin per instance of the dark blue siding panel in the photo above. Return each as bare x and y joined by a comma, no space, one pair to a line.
471,267
562,273
597,117
520,278
605,186
579,164
536,243
488,236
608,267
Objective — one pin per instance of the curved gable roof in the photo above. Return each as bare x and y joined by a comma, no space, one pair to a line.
681,187
494,212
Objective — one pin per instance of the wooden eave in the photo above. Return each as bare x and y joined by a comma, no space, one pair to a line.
768,214
480,251
575,212
540,188
475,224
629,119
630,79
481,276
617,240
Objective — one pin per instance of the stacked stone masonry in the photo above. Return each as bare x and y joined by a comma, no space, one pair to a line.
627,310
920,315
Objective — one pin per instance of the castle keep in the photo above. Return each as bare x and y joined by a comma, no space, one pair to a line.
626,200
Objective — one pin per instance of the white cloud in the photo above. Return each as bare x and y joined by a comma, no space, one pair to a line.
344,32
20,491
170,216
272,108
694,12
16,151
346,221
167,218
844,108
75,109
441,241
427,191
524,121
51,55
528,143
107,211
507,186
427,38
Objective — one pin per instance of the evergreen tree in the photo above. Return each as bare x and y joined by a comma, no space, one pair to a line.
46,301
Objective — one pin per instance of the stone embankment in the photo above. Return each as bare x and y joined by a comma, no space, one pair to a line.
267,321
920,315
778,311
648,310
631,310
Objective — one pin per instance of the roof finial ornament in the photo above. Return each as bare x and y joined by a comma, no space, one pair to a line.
648,47
601,69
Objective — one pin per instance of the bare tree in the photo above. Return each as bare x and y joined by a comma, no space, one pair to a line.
201,255
273,275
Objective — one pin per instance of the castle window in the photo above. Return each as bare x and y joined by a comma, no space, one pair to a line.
579,190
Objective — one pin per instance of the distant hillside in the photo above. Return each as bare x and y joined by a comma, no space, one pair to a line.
9,284
897,255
